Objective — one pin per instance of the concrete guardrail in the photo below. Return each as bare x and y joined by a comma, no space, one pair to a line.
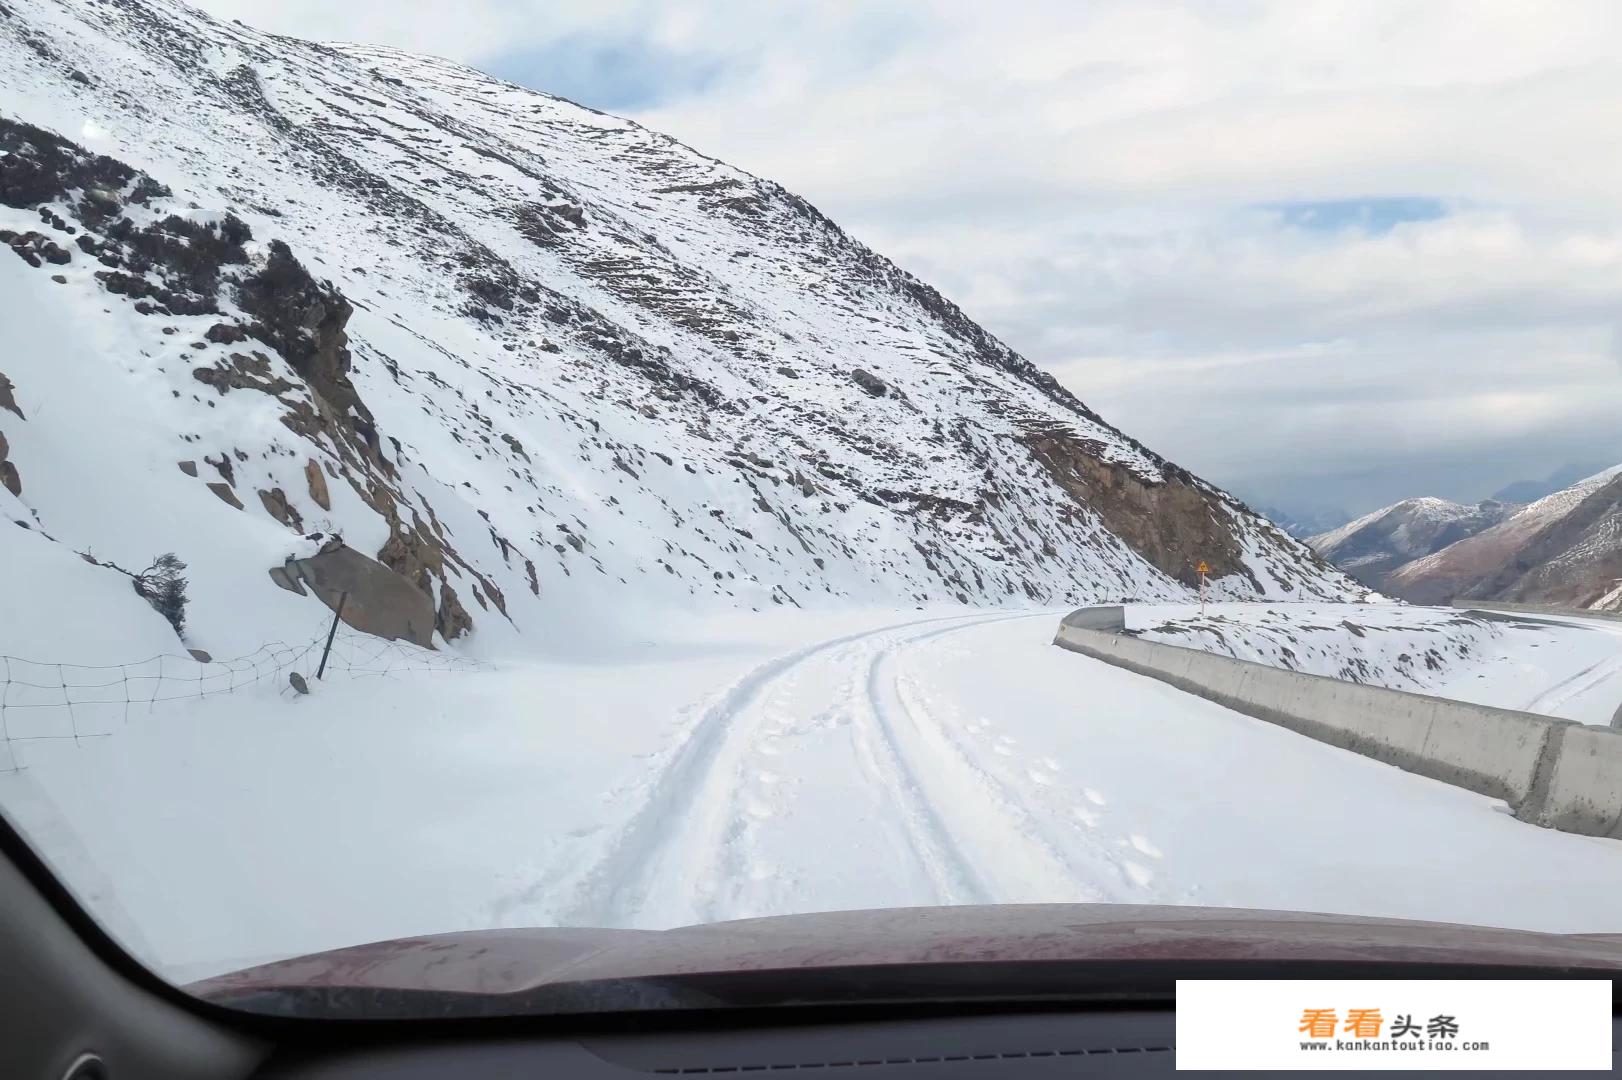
1552,772
1488,607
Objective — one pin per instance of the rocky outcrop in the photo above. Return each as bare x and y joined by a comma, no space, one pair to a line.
870,382
35,249
453,620
276,505
177,266
317,481
10,479
39,167
226,495
1175,524
304,320
8,400
375,600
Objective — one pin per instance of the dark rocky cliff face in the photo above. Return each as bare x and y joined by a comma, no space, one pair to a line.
1174,524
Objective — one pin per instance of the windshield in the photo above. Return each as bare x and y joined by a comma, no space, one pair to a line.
538,467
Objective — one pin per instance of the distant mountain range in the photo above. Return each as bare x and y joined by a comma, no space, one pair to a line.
1375,544
1529,491
1564,548
1304,524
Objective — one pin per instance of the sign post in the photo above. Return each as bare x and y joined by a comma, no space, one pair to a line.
337,614
1203,569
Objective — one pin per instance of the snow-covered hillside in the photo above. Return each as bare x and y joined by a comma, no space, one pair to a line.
560,371
1402,648
1566,667
1375,544
1563,549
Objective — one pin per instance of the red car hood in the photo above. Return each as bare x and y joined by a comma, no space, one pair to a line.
510,962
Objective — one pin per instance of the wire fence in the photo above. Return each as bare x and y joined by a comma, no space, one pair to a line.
56,702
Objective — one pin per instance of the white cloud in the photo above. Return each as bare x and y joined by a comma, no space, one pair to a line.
1084,179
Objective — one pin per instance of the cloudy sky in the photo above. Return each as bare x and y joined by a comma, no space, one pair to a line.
1327,254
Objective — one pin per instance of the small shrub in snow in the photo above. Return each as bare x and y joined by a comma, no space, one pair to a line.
164,587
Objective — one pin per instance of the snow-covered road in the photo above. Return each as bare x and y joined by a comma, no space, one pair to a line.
829,762
812,749
1593,693
963,760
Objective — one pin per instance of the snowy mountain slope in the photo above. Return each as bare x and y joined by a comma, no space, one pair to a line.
1564,549
560,371
1372,546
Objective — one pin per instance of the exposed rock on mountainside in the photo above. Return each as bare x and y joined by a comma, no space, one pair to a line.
8,472
1177,523
1376,544
551,367
1565,549
9,477
177,266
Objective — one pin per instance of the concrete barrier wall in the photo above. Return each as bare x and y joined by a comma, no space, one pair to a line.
1585,786
1111,617
1487,607
1551,772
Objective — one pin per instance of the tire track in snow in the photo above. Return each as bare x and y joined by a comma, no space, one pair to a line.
1050,844
991,826
719,875
1575,686
952,874
683,822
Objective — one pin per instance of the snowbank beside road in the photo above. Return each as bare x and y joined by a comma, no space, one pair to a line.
1569,668
1395,646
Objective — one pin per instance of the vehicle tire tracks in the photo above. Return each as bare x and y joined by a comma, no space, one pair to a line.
989,825
687,808
1575,685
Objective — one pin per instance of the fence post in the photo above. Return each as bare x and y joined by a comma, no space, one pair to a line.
336,615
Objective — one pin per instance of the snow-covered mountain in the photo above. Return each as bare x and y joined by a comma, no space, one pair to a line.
1563,549
562,372
1373,545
